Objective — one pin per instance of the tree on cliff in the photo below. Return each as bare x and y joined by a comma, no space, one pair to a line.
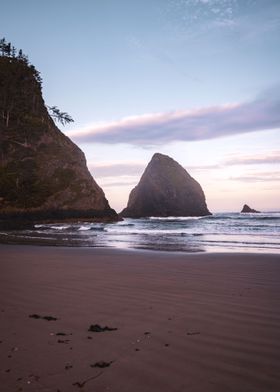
20,106
59,116
43,174
7,50
3,46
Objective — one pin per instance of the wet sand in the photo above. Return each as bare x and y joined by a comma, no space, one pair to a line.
193,322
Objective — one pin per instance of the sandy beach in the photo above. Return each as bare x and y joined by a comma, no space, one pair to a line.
159,321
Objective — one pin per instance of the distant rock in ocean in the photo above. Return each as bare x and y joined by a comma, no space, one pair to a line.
43,174
166,189
246,208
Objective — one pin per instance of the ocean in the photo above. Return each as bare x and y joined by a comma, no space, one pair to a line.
220,232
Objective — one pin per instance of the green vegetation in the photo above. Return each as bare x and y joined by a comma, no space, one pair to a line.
43,174
24,122
57,115
16,104
20,183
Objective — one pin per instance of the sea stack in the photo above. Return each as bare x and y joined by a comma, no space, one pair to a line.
247,209
43,174
166,189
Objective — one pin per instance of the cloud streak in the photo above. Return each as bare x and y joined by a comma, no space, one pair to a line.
110,173
258,177
271,158
186,125
117,169
257,159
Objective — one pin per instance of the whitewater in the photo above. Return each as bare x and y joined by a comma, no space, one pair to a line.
220,232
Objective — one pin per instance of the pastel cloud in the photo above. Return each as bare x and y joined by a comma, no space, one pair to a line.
186,125
266,158
116,169
113,183
257,159
128,173
258,177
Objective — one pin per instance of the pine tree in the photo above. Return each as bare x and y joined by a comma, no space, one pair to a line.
20,54
8,49
59,116
3,46
7,104
14,52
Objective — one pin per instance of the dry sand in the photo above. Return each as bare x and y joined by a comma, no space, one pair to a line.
196,322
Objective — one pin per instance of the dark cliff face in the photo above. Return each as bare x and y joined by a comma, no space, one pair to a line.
42,172
166,189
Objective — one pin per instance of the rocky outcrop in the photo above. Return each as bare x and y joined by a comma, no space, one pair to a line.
43,174
246,209
166,189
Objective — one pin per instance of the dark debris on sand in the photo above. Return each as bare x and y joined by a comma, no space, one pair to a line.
68,366
101,364
98,328
37,316
65,341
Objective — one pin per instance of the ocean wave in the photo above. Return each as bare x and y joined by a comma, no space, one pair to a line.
228,231
84,228
273,218
97,228
60,227
91,228
120,224
147,232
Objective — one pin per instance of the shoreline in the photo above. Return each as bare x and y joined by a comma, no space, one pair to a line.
257,251
176,322
218,233
111,250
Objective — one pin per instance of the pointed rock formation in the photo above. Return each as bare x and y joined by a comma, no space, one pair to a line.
43,174
166,189
246,209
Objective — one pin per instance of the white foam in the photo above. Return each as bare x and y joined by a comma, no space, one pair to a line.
174,218
60,227
84,228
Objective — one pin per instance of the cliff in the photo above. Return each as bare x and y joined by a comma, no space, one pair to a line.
43,174
166,189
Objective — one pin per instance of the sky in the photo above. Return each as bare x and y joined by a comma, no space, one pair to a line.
197,80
